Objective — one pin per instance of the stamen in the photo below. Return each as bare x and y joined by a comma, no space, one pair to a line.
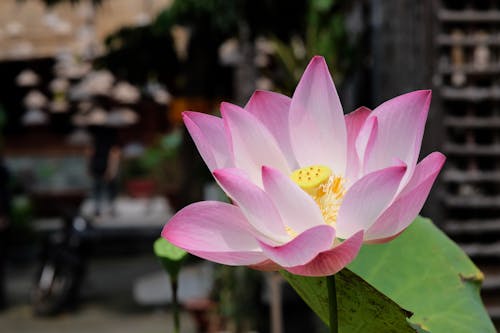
290,231
329,198
324,187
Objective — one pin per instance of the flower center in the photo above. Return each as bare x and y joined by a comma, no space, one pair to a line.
324,187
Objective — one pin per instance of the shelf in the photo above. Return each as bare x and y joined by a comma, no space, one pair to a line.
470,197
493,311
473,94
482,250
472,227
459,176
469,15
472,122
472,201
470,69
472,149
449,40
492,283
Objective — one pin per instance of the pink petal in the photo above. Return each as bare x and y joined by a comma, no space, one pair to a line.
331,261
365,141
428,167
317,126
383,240
215,231
401,123
255,205
302,248
253,145
409,202
366,199
235,258
210,138
266,266
271,109
354,121
297,209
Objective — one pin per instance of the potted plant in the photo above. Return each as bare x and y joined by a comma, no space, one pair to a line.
154,170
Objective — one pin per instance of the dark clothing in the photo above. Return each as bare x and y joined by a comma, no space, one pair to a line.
100,154
98,163
104,184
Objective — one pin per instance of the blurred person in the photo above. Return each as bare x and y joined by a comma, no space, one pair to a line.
5,205
104,165
111,176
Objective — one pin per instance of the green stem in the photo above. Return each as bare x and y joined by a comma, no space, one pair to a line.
332,307
175,306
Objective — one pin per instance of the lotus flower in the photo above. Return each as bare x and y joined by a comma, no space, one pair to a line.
308,184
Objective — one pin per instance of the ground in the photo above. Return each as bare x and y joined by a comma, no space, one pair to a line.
107,304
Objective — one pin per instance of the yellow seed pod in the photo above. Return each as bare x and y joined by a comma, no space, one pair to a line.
311,178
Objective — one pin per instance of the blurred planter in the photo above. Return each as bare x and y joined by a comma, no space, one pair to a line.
140,187
138,182
155,171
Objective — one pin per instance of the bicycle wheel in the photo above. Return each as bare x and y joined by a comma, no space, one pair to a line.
56,287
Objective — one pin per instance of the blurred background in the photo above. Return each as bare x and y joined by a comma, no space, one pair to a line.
94,157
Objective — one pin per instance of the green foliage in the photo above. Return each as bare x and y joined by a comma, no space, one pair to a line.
319,23
219,17
170,256
361,308
324,34
422,271
151,51
426,273
322,5
21,211
238,291
152,161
